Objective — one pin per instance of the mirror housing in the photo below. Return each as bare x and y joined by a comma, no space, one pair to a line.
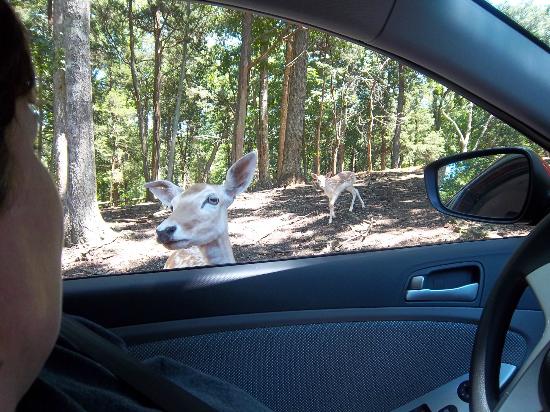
502,185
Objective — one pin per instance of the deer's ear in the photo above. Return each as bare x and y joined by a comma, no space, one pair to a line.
314,176
240,174
164,190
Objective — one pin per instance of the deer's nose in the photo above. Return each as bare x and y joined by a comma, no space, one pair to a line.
165,235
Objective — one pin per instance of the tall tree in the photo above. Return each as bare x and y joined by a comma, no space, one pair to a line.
386,103
438,99
318,128
116,175
179,95
86,224
465,135
396,141
291,172
157,86
242,88
208,165
334,146
375,79
341,136
59,163
40,105
138,101
289,56
263,128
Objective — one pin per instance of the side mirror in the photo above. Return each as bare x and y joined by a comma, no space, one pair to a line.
504,185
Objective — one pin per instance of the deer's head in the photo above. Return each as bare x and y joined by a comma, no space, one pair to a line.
318,181
199,214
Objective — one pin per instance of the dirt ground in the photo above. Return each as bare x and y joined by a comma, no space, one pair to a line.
281,223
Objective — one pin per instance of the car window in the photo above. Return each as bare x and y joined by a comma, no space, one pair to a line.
177,92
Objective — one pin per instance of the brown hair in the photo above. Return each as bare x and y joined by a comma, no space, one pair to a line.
16,80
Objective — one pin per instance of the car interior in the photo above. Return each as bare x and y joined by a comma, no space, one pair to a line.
385,330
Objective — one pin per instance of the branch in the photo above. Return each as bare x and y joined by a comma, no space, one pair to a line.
460,135
483,131
296,58
486,126
283,36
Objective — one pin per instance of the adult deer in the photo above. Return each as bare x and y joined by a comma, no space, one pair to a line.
197,226
333,186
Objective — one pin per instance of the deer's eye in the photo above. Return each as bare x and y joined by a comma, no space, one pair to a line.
171,208
211,200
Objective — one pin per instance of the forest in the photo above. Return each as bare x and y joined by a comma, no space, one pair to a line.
130,91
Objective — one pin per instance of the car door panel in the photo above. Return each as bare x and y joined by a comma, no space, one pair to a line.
374,279
340,360
321,333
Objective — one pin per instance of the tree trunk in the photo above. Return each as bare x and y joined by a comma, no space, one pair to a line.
318,130
339,125
468,133
396,143
242,88
463,137
185,156
176,118
145,141
383,151
305,167
289,56
263,129
182,143
141,113
211,158
40,103
384,147
59,143
370,128
296,111
341,150
116,173
439,100
86,223
483,132
334,146
157,85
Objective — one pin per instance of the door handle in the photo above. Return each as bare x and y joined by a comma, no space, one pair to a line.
466,293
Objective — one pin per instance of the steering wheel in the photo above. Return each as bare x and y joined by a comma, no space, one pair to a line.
528,266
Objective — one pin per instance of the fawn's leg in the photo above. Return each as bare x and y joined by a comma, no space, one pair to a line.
331,203
359,196
352,190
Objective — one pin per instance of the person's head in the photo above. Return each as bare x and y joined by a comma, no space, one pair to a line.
30,225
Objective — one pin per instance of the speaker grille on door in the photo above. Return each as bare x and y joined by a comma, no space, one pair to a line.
351,366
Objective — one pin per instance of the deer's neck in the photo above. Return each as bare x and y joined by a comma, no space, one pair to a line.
218,252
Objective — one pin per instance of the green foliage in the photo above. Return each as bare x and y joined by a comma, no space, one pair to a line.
359,97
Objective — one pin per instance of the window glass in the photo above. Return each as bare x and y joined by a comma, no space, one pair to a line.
179,91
